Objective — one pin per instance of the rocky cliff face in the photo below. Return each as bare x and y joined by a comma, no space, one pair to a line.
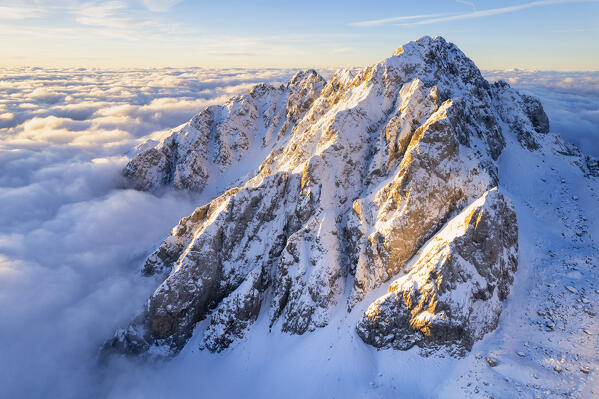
451,290
352,177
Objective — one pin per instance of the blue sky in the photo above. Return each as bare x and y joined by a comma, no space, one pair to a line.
544,35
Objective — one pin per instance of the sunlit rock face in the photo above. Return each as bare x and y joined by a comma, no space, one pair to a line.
435,177
215,141
451,292
353,176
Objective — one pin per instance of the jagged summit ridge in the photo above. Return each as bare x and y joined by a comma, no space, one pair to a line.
347,180
260,122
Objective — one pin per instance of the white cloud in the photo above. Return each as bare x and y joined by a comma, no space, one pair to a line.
102,14
575,82
434,19
376,22
46,96
468,3
160,5
20,12
496,11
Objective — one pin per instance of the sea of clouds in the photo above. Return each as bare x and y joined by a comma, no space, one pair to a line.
73,236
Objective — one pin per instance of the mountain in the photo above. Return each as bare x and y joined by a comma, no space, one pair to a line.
379,193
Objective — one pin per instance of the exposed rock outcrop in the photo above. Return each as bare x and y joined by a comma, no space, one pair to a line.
357,173
453,287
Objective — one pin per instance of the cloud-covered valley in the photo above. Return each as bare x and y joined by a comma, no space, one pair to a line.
72,235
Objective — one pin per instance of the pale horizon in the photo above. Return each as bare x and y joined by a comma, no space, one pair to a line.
559,35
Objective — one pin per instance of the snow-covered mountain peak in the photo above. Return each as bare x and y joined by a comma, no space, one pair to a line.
301,76
437,63
323,192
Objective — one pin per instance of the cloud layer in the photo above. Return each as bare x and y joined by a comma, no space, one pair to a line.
428,19
72,236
